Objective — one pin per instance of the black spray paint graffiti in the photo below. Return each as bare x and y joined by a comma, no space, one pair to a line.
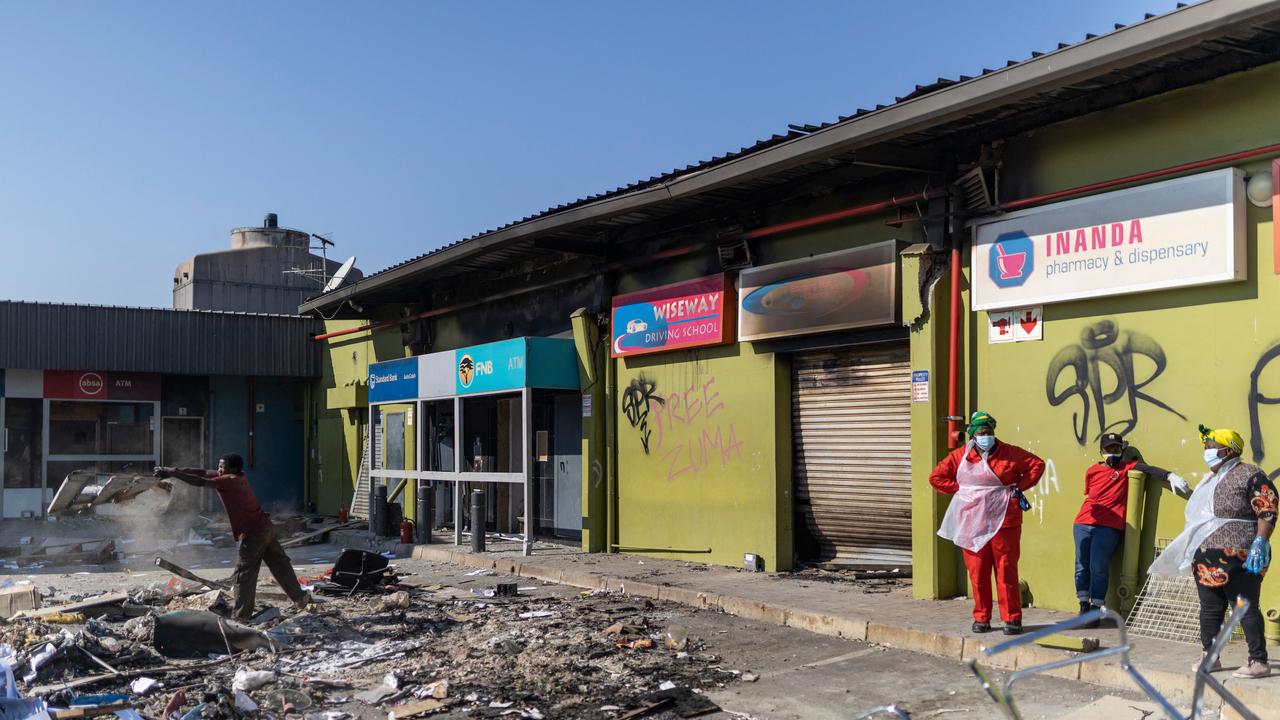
635,406
1256,401
1104,344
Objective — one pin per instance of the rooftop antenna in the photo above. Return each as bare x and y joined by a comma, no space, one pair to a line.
317,275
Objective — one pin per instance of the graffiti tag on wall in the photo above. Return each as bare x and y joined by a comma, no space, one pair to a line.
687,429
1256,401
636,401
1104,346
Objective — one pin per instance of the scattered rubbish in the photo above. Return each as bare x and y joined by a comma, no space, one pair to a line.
193,633
395,601
533,614
246,679
143,685
64,618
244,703
667,685
438,690
416,709
506,590
1066,642
750,677
638,644
477,573
676,637
15,598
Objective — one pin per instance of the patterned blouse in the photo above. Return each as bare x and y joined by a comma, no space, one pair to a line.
1244,494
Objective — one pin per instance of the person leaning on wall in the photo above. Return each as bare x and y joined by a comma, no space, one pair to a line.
1099,526
1226,545
984,519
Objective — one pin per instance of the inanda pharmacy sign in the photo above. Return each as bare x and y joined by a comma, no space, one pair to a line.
1176,233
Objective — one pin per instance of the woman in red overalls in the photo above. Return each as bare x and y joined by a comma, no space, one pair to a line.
988,478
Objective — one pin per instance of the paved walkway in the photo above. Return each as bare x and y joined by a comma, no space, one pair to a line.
891,618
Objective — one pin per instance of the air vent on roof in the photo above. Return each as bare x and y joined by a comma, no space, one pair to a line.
973,190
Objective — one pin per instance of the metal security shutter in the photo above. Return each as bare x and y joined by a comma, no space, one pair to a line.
851,420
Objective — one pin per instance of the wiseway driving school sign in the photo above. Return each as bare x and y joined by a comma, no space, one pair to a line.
1176,233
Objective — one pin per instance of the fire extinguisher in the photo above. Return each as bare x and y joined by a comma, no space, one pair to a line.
406,531
342,514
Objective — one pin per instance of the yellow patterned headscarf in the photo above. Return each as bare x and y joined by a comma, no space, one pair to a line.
1224,437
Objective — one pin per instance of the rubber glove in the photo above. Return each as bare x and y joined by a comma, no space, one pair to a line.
1023,503
1259,556
1179,485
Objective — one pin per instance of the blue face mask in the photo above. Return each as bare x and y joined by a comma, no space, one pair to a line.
1211,457
984,442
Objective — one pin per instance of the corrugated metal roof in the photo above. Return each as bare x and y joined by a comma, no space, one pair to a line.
1252,44
42,336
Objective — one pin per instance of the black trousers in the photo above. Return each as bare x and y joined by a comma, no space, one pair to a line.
262,546
1214,602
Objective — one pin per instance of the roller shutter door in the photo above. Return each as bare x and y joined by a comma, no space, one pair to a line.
851,420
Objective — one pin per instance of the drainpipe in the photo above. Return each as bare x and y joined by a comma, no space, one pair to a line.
251,414
611,445
1128,590
953,349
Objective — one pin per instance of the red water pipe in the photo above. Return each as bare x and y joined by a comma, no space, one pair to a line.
844,214
1149,175
953,359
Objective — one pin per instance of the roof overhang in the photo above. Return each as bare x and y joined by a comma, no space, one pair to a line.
1096,56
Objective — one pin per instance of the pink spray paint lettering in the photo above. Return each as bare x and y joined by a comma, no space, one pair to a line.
690,431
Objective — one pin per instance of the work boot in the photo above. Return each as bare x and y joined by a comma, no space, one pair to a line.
1253,670
1013,627
304,602
1217,664
981,627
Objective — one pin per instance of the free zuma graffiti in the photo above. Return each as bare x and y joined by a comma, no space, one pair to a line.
688,430
692,439
1103,345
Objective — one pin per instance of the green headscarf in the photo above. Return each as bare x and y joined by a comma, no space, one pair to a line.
979,420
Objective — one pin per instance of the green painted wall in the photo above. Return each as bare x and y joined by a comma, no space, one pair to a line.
1211,338
714,481
341,410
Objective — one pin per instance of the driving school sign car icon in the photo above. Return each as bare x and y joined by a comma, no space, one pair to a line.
1012,260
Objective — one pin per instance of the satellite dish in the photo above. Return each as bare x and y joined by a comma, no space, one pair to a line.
341,275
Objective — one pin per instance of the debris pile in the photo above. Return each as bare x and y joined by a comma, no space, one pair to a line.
396,647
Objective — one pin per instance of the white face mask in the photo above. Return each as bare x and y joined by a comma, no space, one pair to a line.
1211,457
984,442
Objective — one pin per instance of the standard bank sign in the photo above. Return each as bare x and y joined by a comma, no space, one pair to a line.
393,380
1176,233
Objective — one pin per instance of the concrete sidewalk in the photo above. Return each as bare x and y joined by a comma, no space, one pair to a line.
893,618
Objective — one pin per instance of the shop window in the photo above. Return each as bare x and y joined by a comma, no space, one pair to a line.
23,442
101,428
437,431
492,438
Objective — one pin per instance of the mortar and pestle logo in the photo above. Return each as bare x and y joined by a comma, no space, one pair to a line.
1012,261
1010,264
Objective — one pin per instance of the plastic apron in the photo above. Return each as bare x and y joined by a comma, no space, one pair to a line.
978,510
1200,524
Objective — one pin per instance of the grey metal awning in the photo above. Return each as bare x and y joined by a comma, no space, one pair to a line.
1181,48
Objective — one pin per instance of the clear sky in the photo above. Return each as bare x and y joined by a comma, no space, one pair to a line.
136,134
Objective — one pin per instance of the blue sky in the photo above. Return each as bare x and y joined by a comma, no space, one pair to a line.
136,134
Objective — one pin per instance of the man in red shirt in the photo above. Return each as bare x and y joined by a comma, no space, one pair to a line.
251,527
1099,527
984,519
